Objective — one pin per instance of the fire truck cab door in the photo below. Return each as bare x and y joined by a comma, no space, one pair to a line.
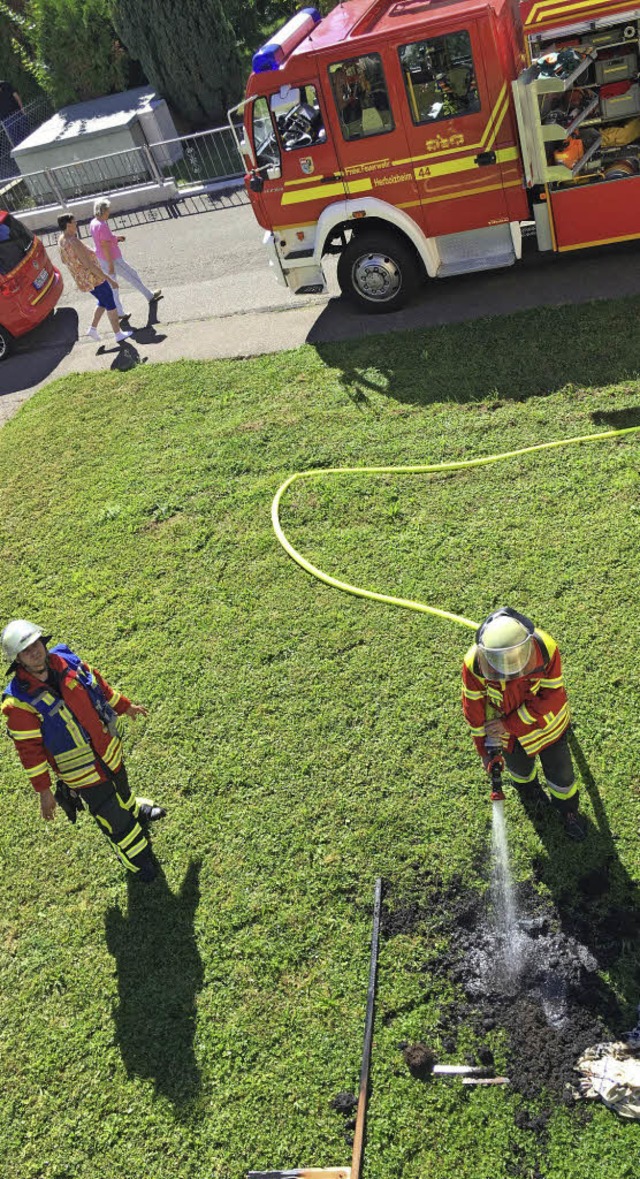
296,164
460,131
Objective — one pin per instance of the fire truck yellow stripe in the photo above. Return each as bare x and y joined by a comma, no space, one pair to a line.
601,241
465,192
489,134
449,166
351,187
550,8
497,116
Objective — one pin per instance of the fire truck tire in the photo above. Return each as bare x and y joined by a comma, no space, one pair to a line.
377,271
6,342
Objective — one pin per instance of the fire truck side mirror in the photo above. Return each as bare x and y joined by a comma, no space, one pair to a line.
256,184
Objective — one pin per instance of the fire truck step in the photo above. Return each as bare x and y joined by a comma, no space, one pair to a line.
466,265
478,249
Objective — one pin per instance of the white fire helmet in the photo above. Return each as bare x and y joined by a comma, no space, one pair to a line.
16,636
505,642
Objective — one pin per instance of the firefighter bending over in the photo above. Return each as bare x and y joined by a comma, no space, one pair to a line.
61,715
513,695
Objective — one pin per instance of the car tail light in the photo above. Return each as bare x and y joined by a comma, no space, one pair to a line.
9,288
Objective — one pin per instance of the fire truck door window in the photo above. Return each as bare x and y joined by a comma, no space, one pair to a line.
298,117
265,141
440,78
360,92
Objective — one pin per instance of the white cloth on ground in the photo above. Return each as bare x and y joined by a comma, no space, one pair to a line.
611,1071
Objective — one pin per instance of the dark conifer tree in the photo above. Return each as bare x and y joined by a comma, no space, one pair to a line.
188,51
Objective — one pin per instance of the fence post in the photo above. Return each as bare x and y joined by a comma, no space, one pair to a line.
151,164
53,181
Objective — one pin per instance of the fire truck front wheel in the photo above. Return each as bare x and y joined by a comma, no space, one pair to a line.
377,271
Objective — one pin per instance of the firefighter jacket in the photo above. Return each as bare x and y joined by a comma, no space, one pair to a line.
66,723
534,707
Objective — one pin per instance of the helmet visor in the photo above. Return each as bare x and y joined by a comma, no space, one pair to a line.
505,662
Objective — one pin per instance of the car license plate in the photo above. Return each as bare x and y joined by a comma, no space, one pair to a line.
41,279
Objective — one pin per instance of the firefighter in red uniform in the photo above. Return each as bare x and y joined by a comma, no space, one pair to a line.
61,715
513,695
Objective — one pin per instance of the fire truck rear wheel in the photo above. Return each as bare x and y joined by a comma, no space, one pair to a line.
6,342
377,271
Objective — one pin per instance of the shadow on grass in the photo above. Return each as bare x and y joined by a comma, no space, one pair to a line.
617,419
159,975
39,352
597,901
509,357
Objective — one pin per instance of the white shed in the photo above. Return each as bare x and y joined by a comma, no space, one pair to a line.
75,138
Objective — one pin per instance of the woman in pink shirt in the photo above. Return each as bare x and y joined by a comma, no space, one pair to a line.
110,255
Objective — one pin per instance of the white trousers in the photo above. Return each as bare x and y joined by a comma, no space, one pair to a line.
126,272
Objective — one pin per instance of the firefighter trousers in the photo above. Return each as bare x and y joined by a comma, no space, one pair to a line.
557,766
115,810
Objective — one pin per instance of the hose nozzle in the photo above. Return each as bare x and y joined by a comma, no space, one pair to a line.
495,767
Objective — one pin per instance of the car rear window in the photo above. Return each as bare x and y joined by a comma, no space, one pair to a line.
15,242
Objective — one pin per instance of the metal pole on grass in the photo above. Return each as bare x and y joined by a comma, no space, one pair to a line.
358,1137
352,1172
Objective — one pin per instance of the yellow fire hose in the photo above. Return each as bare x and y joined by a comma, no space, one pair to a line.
425,468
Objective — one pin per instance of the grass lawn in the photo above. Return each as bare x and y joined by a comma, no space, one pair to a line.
305,742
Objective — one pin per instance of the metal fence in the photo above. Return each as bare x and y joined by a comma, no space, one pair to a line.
189,160
18,126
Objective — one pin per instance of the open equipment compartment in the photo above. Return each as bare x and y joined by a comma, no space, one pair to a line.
580,101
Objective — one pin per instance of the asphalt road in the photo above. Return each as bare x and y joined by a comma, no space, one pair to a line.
220,299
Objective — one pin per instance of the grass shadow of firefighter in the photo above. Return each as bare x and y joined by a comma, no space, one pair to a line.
159,975
597,901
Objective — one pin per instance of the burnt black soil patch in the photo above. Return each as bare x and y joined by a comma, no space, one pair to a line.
346,1103
419,1060
554,1004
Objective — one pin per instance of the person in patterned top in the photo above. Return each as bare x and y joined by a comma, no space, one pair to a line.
88,276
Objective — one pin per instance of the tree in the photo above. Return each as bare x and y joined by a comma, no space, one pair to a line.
16,50
77,46
67,48
188,51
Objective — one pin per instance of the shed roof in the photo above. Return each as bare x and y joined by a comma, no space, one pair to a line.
95,117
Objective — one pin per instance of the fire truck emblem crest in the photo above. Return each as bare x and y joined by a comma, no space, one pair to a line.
307,166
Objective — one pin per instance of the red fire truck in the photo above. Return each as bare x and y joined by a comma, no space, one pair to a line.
414,138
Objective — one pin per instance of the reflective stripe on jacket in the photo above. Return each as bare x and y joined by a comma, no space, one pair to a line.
73,730
534,707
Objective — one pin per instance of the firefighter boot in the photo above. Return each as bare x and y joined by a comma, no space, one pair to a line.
148,811
146,868
532,796
574,824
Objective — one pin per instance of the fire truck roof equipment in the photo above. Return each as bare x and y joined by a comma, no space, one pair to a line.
272,54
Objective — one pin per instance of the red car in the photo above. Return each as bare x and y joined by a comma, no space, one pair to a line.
30,285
